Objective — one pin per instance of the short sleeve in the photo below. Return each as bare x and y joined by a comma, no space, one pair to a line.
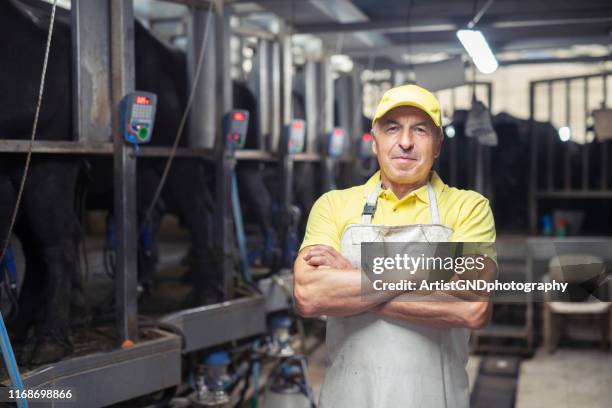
476,224
322,227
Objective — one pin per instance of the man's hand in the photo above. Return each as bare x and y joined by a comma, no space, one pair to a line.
323,256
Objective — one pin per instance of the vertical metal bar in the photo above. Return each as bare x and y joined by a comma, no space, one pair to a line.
356,106
122,75
223,53
566,146
263,59
399,77
488,182
343,88
357,129
532,198
242,75
454,142
90,67
604,166
225,160
312,112
585,146
605,90
203,119
287,76
275,127
328,95
550,142
604,147
327,82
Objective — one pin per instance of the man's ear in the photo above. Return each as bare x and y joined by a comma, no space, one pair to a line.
439,143
374,145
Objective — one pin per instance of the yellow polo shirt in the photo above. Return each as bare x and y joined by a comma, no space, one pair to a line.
466,212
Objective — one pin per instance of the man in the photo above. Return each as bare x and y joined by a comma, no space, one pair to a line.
384,352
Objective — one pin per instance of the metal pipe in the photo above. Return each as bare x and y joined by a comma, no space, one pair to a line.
541,81
312,112
479,15
532,203
263,88
604,147
224,225
122,77
566,152
550,141
275,126
585,146
203,119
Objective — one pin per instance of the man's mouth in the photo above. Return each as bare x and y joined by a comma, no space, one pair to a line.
404,158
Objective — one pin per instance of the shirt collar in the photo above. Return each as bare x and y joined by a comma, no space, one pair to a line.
421,193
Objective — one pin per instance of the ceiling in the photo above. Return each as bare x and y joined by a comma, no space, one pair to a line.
409,31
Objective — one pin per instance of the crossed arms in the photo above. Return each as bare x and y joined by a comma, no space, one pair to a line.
325,283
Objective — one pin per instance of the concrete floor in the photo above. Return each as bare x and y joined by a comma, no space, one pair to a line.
569,378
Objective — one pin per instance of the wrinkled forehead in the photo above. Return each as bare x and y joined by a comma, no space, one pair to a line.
405,115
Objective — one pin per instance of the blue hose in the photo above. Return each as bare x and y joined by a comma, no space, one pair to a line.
11,364
240,234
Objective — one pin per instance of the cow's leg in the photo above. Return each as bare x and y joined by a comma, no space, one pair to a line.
31,293
31,286
186,193
49,203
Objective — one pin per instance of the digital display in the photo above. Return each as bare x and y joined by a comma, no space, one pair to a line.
239,116
143,100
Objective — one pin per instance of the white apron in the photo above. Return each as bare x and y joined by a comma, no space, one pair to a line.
376,362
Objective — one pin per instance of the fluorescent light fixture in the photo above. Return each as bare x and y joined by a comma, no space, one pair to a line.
565,134
477,47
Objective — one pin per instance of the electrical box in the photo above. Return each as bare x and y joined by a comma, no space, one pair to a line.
364,149
137,115
235,127
295,135
335,143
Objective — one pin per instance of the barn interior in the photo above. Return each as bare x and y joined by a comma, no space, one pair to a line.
160,272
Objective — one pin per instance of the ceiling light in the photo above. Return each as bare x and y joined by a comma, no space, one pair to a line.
477,47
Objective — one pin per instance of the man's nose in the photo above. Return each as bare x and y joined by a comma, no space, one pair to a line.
406,141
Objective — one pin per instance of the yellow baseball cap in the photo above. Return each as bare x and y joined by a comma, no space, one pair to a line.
409,95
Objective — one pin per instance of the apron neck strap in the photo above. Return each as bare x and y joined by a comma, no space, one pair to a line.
433,204
370,206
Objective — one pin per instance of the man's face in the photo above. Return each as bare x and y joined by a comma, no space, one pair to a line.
406,142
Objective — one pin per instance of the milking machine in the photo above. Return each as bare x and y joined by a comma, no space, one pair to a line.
335,149
293,143
365,162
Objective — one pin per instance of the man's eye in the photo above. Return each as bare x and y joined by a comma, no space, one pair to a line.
421,130
392,129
